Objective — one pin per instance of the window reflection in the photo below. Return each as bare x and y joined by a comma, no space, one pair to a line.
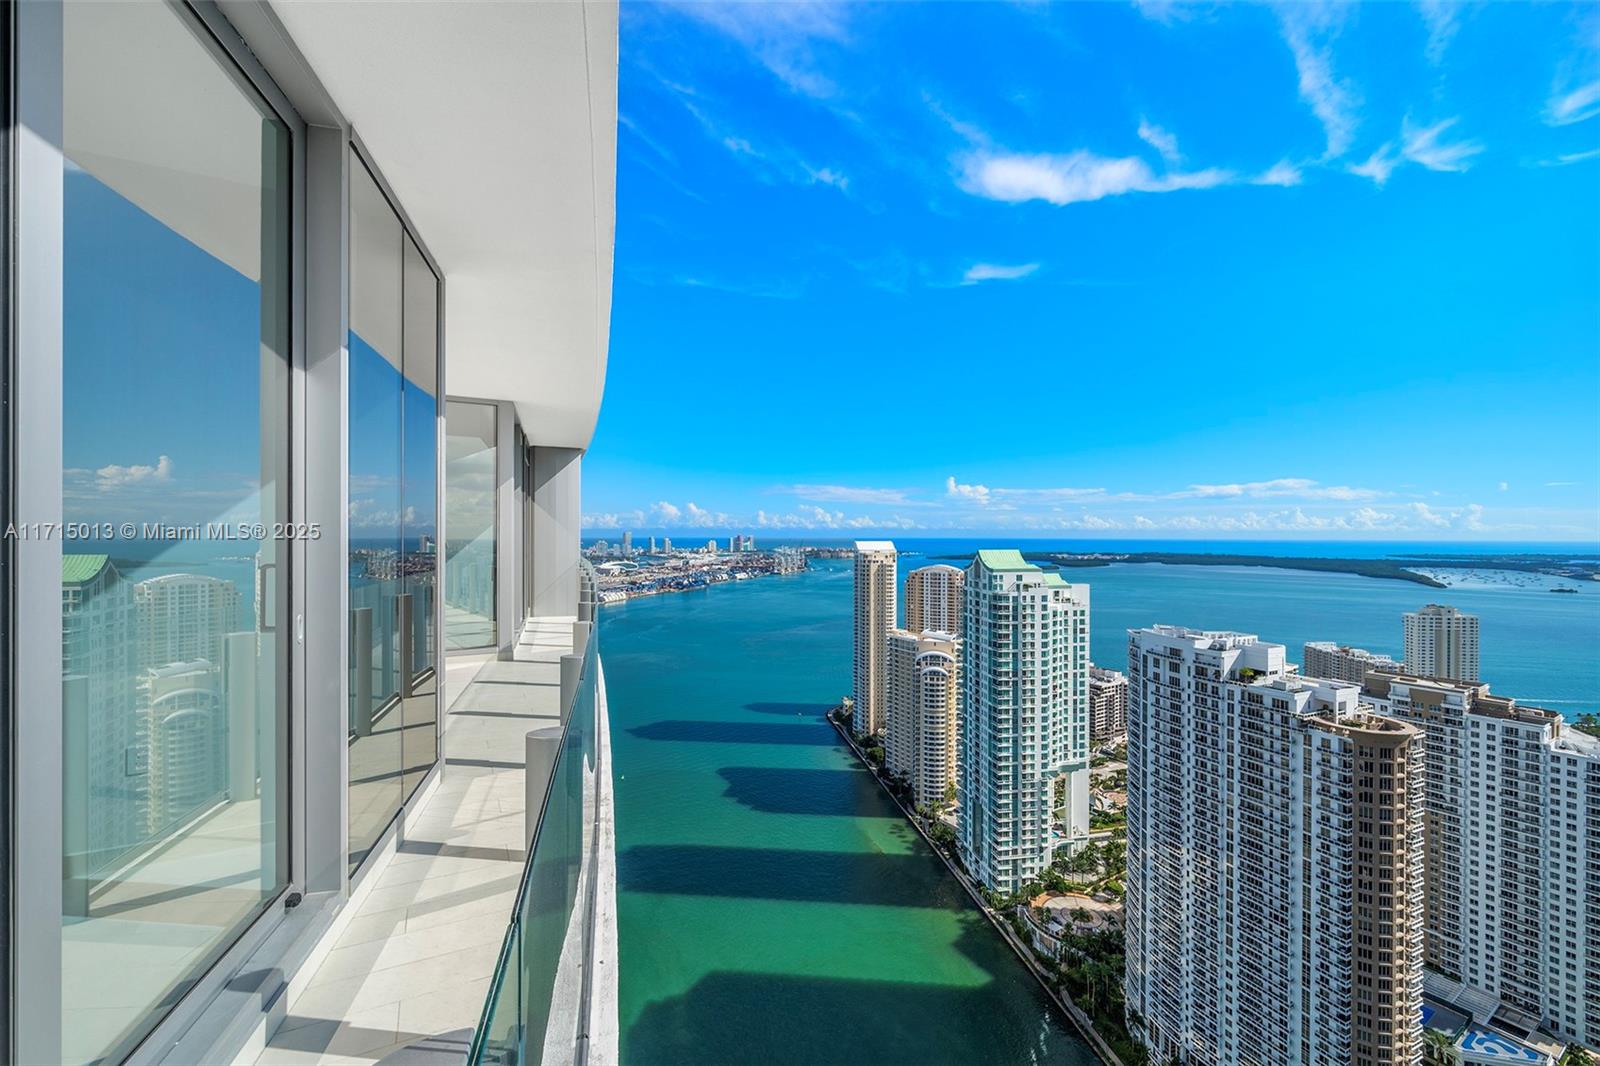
393,463
175,423
469,503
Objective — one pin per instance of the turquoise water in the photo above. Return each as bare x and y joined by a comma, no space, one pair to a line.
773,907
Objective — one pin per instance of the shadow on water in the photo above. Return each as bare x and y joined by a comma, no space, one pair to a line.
736,732
793,710
788,790
798,1020
772,873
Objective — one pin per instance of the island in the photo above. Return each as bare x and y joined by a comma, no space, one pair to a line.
1396,568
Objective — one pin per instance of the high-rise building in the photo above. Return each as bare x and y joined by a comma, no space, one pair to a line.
1441,642
188,740
1337,662
1108,703
104,812
1513,852
666,545
184,617
1024,717
1275,868
652,545
733,543
875,576
627,543
921,704
934,599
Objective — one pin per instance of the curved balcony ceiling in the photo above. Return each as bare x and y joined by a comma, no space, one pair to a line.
495,125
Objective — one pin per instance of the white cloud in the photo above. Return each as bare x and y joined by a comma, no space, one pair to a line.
1161,140
1569,158
956,490
1573,105
666,513
112,476
978,272
1282,172
1422,145
697,517
1443,18
1297,487
1504,486
1331,98
847,494
782,37
1379,165
1075,177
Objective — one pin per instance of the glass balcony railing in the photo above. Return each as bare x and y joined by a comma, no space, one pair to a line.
537,1009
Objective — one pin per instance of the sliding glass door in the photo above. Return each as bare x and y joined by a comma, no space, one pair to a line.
393,463
175,430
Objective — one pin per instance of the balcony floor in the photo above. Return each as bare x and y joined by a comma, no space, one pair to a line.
410,970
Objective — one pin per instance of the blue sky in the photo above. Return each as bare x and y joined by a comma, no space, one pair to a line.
1106,269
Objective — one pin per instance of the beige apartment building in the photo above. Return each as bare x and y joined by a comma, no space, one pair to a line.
934,599
875,608
924,686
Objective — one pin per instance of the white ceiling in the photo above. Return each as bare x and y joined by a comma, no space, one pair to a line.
495,125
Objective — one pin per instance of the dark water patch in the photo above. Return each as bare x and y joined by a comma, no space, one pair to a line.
790,710
804,1021
735,732
775,873
787,790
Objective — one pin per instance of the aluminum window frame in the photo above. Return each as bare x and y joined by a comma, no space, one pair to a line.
36,397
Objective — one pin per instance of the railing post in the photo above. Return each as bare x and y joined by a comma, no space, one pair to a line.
580,637
402,628
542,748
571,671
361,651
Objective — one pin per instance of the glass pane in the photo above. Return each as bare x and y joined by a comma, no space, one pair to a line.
376,405
419,747
175,430
469,509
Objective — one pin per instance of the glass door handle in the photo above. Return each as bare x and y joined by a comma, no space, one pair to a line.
402,627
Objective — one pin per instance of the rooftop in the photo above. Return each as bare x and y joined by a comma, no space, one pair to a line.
1004,559
874,545
76,568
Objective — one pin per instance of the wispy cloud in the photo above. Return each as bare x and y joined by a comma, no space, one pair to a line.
1308,29
1422,145
1281,173
983,494
1443,19
769,164
769,289
1568,158
783,37
1296,487
1161,140
847,494
1379,165
1075,177
980,272
1573,105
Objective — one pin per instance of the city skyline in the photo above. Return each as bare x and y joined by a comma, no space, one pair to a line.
1277,260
